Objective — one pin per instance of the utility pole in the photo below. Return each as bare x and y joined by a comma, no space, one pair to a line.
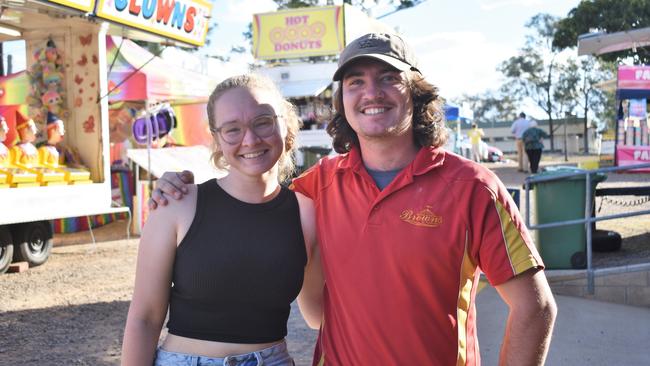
566,120
2,61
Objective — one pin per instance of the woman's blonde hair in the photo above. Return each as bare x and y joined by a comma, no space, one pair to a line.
287,114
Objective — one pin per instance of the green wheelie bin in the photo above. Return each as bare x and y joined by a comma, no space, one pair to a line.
563,247
312,154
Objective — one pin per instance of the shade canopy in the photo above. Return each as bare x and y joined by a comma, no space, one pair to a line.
172,159
600,43
304,88
452,112
135,74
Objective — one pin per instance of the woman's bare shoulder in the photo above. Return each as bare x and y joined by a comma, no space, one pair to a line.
176,207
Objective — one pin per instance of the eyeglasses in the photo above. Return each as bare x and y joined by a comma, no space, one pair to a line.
262,126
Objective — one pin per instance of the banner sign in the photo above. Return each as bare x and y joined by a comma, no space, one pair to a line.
296,33
182,20
83,5
632,155
634,77
638,108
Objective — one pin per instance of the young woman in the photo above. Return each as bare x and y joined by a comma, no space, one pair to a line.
229,261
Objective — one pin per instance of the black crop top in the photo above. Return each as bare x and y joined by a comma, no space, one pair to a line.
237,269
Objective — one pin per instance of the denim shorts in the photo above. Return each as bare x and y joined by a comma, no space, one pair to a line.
277,355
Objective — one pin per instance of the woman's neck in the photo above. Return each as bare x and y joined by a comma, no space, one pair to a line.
251,189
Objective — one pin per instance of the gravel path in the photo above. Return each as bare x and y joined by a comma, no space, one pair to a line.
72,309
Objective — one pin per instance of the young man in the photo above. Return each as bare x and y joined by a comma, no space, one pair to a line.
517,129
405,228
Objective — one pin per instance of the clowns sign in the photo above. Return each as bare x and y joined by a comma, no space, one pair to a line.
182,20
298,33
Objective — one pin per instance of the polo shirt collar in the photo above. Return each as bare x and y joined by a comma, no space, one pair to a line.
428,158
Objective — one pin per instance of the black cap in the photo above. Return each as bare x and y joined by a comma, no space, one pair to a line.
389,48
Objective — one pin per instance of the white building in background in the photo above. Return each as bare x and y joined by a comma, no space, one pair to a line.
308,85
498,134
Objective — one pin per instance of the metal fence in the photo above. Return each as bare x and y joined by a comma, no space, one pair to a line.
588,219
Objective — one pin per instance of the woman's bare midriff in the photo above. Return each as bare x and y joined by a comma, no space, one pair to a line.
174,343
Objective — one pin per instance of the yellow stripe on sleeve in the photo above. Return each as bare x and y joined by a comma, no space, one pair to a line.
520,256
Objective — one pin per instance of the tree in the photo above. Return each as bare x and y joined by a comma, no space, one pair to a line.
605,16
565,95
565,92
153,47
293,4
489,106
589,72
532,73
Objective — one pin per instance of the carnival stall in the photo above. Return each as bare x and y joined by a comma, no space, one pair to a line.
140,83
632,142
56,113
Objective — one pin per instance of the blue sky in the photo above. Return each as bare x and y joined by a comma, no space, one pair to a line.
459,43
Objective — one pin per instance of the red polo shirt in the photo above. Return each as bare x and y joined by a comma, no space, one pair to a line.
402,265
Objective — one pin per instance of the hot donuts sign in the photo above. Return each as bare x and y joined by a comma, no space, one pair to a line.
298,33
183,20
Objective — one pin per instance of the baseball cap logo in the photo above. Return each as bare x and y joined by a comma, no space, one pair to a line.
373,40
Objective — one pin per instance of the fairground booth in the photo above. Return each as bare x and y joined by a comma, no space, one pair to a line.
632,135
82,70
633,122
140,82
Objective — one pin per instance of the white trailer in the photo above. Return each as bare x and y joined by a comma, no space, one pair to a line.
79,33
25,214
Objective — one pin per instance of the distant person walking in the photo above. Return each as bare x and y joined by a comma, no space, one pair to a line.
534,145
517,129
475,135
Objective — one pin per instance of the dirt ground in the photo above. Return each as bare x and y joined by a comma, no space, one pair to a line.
72,309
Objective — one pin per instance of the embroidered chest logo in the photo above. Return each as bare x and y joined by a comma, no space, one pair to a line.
424,218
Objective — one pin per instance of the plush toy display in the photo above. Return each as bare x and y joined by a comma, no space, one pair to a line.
46,83
48,154
10,174
25,155
50,157
4,154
